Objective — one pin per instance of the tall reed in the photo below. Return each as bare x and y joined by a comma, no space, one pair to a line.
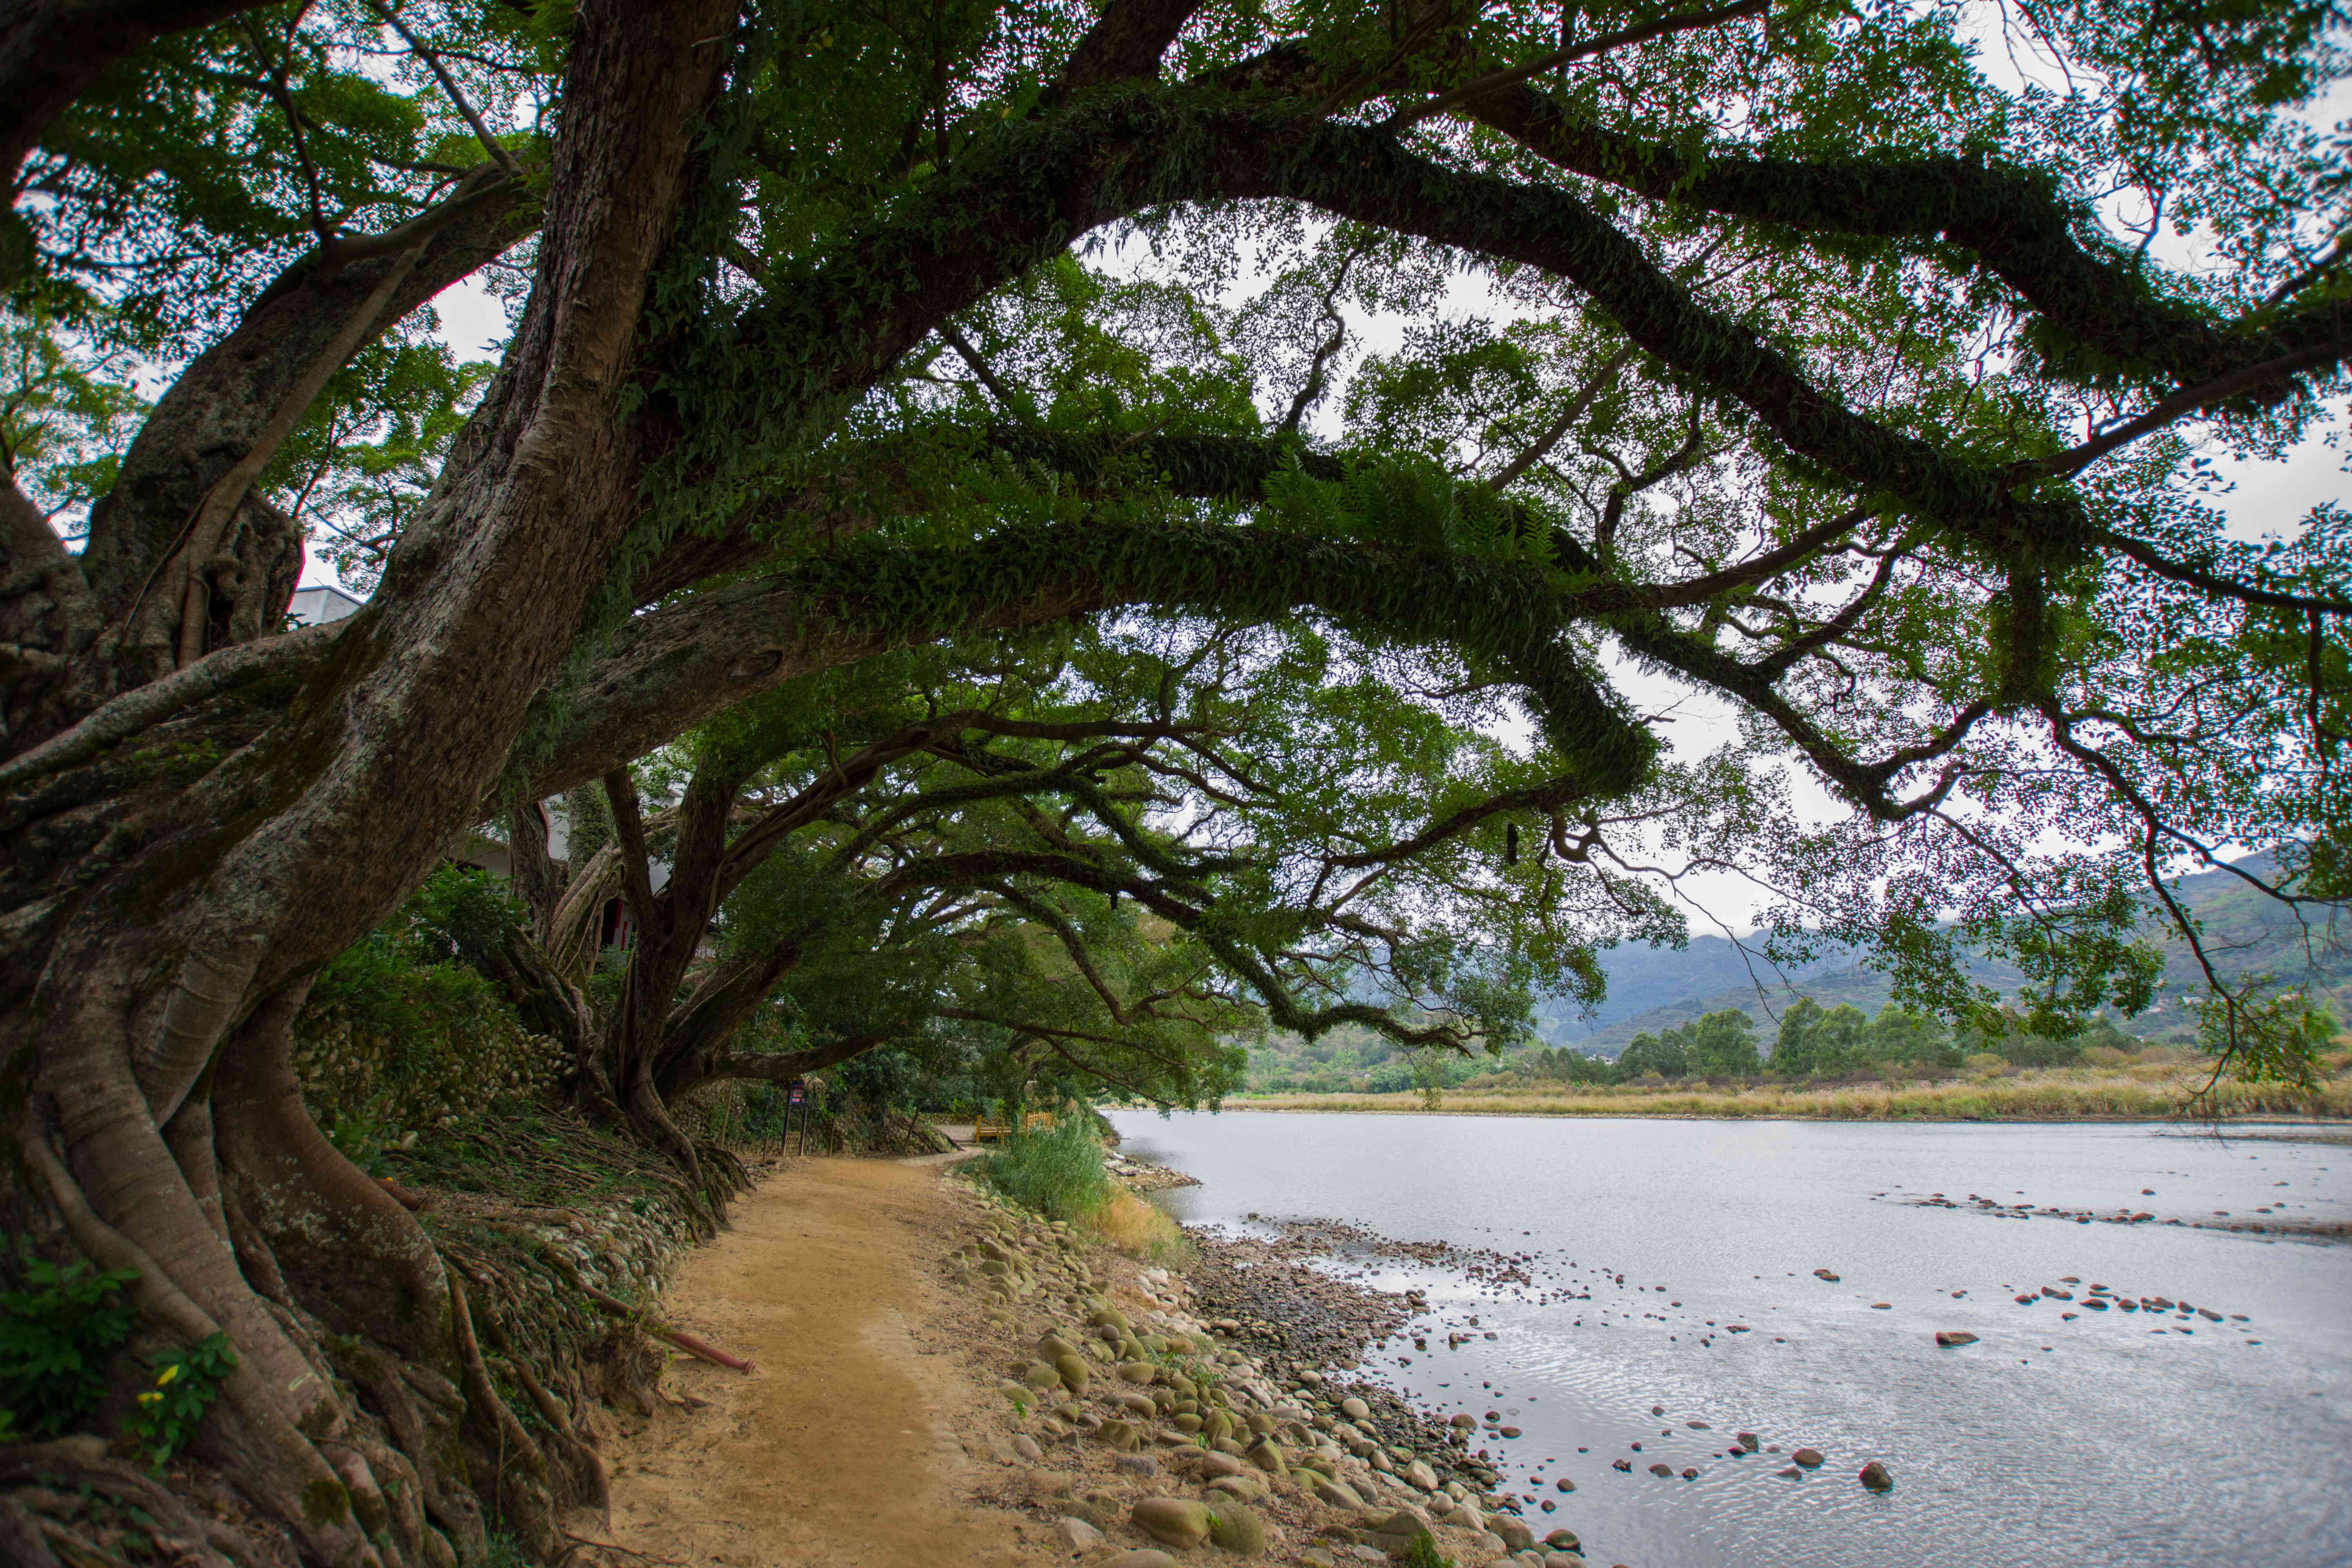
1057,1171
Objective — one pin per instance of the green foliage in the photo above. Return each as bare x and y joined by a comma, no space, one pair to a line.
401,1034
1057,1171
197,169
65,411
1718,1045
1492,508
56,1336
2260,1032
166,1414
1423,1552
1823,1043
364,461
1566,1066
1667,1055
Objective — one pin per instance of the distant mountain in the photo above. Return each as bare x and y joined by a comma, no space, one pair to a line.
1655,988
1643,979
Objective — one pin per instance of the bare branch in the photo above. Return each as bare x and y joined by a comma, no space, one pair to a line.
498,155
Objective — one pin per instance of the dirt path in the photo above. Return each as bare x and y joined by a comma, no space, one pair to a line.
842,1450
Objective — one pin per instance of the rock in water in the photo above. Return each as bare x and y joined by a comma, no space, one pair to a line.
1809,1457
1173,1521
1952,1338
1236,1528
1563,1541
1514,1531
1875,1477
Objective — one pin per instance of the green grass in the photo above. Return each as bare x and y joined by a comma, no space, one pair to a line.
1057,1171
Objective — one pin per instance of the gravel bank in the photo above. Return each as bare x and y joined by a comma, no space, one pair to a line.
1197,1411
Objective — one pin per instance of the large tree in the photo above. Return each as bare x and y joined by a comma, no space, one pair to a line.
1850,385
1114,846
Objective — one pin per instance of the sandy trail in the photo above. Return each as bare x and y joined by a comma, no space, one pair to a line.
842,1448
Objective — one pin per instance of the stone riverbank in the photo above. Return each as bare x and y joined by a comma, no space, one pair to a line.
1156,1416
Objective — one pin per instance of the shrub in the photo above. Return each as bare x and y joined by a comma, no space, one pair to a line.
401,1036
1423,1553
55,1339
167,1414
1057,1171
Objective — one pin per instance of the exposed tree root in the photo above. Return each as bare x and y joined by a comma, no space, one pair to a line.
439,1428
74,1529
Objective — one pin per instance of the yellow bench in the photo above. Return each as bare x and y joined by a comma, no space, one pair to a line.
991,1130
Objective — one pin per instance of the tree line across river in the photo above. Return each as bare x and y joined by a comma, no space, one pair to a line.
1808,1042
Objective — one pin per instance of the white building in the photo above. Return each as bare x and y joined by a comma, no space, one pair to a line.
319,602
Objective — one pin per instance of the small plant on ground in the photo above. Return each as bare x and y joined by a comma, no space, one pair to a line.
56,1338
186,1381
1424,1554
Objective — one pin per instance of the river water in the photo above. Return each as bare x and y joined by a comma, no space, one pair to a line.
2109,1439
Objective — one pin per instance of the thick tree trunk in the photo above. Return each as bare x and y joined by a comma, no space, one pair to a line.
192,922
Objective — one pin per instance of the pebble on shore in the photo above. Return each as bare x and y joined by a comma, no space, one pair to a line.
1210,1393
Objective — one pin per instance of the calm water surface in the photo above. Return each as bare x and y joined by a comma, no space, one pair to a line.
2110,1439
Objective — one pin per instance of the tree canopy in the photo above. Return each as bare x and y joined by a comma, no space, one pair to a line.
1874,371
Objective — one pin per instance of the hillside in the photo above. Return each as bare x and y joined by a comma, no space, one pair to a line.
1663,987
1656,988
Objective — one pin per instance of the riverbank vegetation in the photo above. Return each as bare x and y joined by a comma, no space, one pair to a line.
1814,1056
940,566
2156,1084
1057,1171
